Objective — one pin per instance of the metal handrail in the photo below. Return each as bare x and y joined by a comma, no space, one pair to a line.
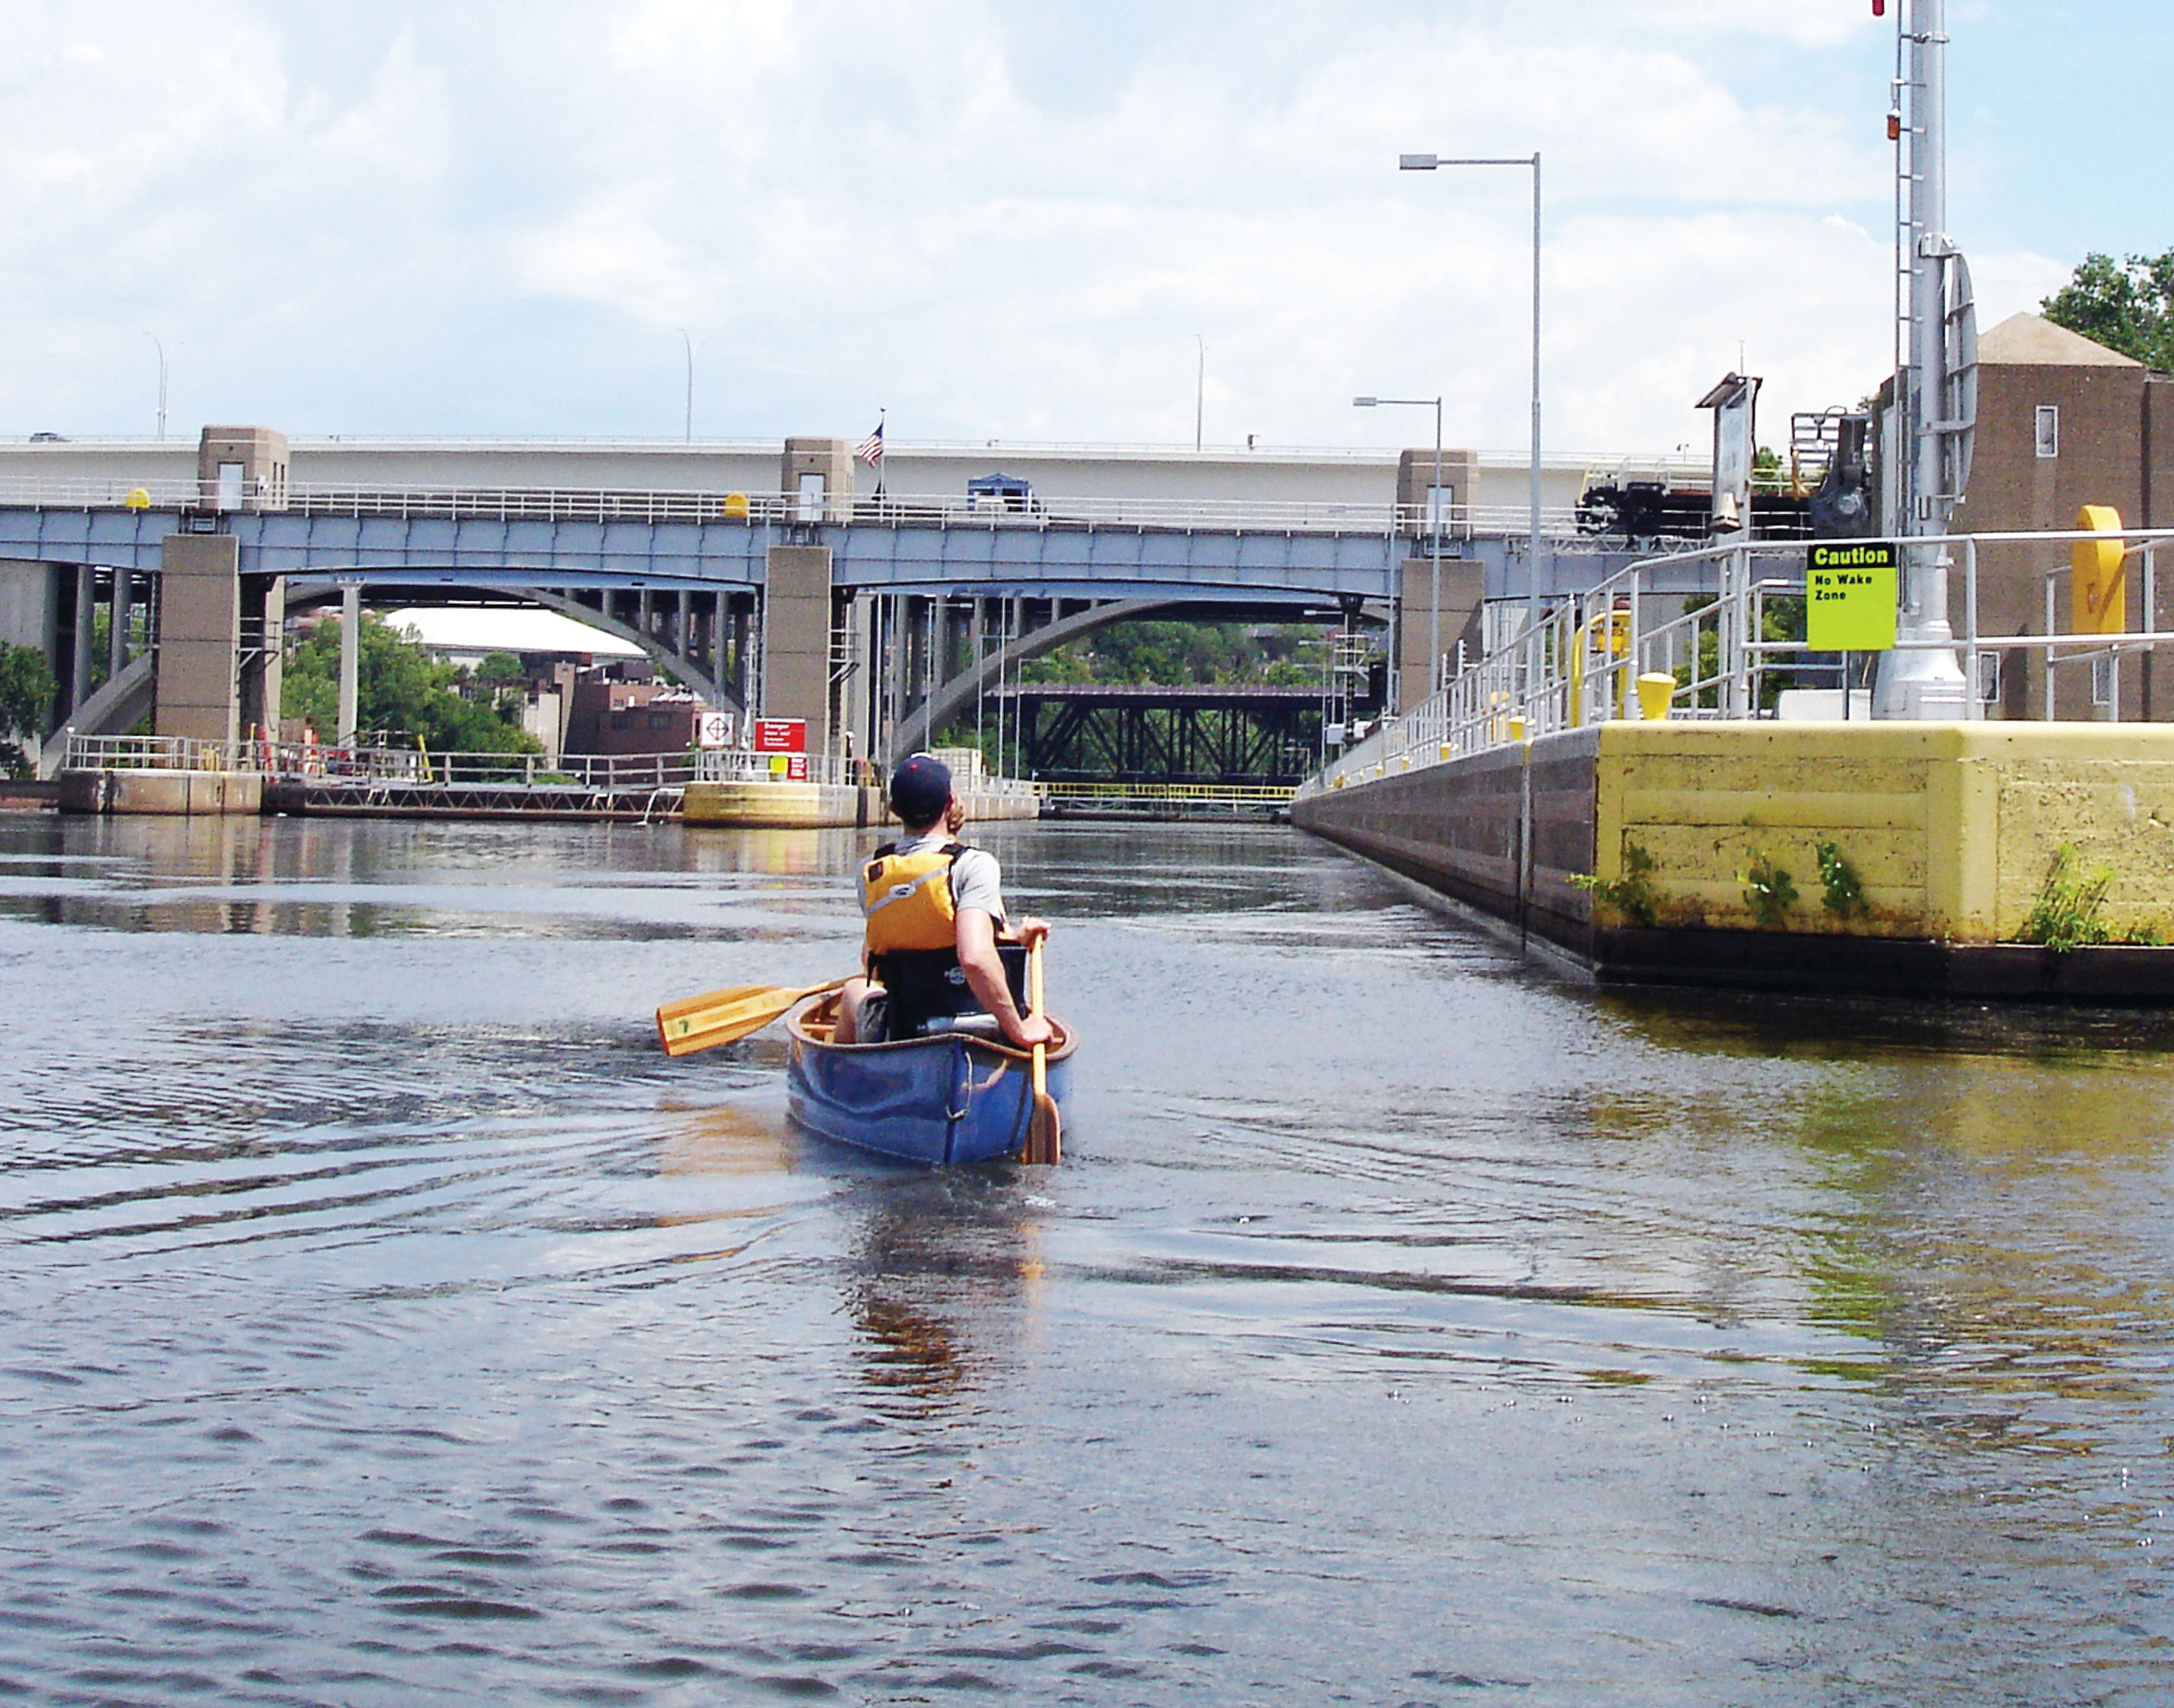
604,505
1580,666
367,762
379,761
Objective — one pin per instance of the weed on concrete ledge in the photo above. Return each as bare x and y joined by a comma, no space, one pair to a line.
1769,892
1632,898
1842,890
2066,915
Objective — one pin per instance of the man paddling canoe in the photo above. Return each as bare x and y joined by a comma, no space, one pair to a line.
936,946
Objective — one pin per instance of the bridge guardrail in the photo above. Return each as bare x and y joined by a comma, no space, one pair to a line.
776,509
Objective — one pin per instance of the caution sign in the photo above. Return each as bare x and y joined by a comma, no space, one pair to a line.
1849,597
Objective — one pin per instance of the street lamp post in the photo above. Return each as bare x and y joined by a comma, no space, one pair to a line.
161,349
690,342
1200,392
1433,513
1428,163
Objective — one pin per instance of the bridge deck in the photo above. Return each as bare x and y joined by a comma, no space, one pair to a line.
1073,548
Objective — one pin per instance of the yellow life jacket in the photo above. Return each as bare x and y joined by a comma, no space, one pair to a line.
907,899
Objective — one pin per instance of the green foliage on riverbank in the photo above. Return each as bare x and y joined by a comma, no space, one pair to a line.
26,702
1176,654
400,691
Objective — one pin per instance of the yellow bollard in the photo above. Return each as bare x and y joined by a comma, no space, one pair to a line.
2098,589
1655,691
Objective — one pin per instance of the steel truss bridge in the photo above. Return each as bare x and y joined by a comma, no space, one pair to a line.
1139,734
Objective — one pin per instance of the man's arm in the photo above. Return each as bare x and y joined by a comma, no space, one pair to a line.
985,977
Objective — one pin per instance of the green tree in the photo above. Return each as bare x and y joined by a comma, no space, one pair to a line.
1174,654
500,670
27,688
2126,306
400,691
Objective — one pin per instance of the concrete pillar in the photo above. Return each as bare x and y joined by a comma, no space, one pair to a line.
350,680
1418,618
264,605
199,634
116,632
86,620
796,640
742,636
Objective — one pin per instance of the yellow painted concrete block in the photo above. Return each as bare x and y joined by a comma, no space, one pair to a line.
771,804
1951,827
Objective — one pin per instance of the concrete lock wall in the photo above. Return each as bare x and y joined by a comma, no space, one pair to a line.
1953,828
1505,831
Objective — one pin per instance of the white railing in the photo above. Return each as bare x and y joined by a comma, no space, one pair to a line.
1582,664
945,511
739,765
378,762
368,763
118,493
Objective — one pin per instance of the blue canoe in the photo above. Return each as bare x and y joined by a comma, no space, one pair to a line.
954,1098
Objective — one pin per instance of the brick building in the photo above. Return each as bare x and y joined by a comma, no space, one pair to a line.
617,709
2063,422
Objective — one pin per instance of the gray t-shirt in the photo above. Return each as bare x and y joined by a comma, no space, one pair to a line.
977,879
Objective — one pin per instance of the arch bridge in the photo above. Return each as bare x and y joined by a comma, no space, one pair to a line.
878,621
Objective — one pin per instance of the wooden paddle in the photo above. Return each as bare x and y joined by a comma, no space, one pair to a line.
718,1017
1045,1140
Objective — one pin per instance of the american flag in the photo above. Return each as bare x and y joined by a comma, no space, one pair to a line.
871,450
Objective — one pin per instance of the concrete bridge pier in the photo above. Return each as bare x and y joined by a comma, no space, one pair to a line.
219,641
798,621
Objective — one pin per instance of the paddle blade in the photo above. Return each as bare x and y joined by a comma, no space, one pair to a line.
720,1017
1044,1142
1045,1131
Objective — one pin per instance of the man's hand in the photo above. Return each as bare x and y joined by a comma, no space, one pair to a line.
1033,1030
1030,930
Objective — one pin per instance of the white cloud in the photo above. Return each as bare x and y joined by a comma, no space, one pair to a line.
997,222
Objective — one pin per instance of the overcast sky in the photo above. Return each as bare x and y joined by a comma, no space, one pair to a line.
1012,220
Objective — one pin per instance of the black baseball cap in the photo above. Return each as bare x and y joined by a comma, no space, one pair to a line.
920,788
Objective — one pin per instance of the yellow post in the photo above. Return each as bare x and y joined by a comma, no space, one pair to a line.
2098,589
1655,691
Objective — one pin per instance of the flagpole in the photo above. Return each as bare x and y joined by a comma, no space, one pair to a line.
883,470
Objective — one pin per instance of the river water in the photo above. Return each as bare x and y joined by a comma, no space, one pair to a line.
383,1319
